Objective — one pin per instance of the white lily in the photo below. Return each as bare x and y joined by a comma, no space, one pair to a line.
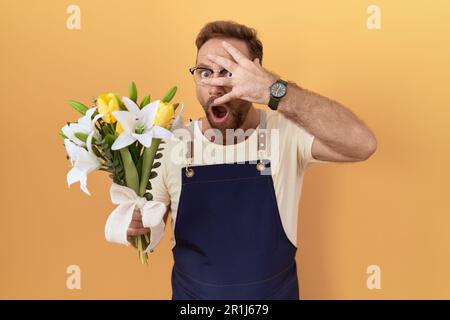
83,161
84,125
138,124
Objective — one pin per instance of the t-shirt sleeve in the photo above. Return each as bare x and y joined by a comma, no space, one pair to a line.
304,145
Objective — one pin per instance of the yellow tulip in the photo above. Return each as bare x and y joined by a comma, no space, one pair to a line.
119,128
164,114
107,103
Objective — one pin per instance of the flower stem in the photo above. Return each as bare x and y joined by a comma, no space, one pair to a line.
147,164
131,175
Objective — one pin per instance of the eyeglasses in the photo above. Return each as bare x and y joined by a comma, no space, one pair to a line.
207,73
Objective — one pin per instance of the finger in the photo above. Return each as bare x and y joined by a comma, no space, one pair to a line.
238,56
137,214
224,62
132,242
226,82
137,231
224,99
136,224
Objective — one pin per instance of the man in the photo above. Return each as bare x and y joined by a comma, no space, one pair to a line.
235,227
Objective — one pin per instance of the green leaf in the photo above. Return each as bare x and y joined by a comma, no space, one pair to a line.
121,105
105,131
175,106
109,140
97,153
78,106
62,134
133,92
170,94
148,196
134,153
145,101
156,165
82,136
111,128
147,163
139,166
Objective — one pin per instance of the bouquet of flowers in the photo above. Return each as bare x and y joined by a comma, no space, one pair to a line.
123,138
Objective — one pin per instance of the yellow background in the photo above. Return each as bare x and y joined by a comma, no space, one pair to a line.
392,210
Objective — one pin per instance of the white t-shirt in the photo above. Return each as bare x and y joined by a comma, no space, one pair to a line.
289,150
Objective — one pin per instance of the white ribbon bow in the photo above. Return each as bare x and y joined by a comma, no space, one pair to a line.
119,220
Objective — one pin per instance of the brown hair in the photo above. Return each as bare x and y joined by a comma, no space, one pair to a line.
231,29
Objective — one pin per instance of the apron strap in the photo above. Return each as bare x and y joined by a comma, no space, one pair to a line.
190,150
262,134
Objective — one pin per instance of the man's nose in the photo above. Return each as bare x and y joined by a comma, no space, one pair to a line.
216,90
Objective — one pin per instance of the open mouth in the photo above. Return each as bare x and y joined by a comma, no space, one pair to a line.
220,113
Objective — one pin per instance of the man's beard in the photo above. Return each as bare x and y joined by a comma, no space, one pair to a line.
237,113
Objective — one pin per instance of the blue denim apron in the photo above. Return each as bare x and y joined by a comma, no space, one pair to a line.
229,239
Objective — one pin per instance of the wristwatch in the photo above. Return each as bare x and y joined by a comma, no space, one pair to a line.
277,91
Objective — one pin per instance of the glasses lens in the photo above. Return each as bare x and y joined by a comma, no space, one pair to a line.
202,73
205,73
225,73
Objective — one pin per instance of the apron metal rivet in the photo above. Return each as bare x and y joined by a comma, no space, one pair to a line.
260,166
189,172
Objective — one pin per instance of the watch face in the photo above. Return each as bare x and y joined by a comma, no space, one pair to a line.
278,90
